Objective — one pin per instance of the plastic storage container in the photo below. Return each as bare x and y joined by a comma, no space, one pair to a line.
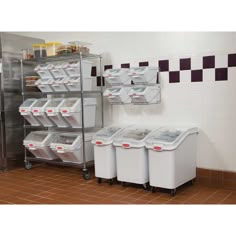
117,95
145,94
58,71
25,110
73,83
144,75
132,156
69,147
80,47
43,70
73,68
59,84
172,157
52,47
53,111
39,50
64,50
71,111
37,143
117,76
38,110
104,153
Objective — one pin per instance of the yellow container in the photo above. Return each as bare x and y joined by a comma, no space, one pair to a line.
52,48
39,50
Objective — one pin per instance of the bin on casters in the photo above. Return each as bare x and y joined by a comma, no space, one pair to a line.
37,142
104,153
131,155
69,147
172,157
25,110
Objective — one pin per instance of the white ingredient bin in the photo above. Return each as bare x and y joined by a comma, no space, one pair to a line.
25,111
59,84
132,156
45,85
104,153
145,94
144,75
58,71
38,110
43,70
69,147
117,76
117,95
172,157
37,142
73,83
53,111
71,111
73,68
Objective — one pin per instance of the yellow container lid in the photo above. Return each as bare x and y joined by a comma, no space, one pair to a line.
53,43
39,45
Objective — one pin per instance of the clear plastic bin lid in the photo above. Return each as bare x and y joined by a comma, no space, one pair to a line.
40,103
135,134
59,79
70,102
28,102
114,90
139,69
44,80
67,139
165,135
113,71
55,102
139,90
107,132
37,136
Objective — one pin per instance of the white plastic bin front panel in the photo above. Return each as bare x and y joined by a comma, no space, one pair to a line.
73,69
74,84
170,169
117,76
59,85
105,161
132,165
58,71
45,85
143,75
43,70
117,95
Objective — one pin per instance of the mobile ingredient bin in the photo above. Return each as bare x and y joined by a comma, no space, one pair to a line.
69,147
71,111
172,157
117,76
53,111
145,94
37,142
144,75
104,153
38,110
117,95
131,155
25,110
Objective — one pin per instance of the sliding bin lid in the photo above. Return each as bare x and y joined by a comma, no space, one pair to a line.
28,102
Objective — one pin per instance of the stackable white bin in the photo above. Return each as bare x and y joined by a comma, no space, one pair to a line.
117,76
172,157
37,142
118,95
69,147
71,111
38,110
145,94
143,75
73,83
104,153
25,111
131,155
58,71
59,84
53,111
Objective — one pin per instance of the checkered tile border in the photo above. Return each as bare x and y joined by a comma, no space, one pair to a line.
217,65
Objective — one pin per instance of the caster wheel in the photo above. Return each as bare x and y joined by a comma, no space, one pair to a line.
110,181
191,182
173,192
153,189
99,180
86,175
146,187
28,166
123,184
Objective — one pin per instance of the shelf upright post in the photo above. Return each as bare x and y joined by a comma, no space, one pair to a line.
102,111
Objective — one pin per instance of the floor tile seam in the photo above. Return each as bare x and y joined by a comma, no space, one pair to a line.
224,198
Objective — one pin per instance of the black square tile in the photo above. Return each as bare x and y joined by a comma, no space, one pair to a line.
144,63
125,65
185,64
196,76
174,77
209,62
94,71
99,81
232,60
221,74
164,65
106,67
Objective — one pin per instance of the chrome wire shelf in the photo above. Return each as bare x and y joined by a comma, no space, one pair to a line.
67,92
